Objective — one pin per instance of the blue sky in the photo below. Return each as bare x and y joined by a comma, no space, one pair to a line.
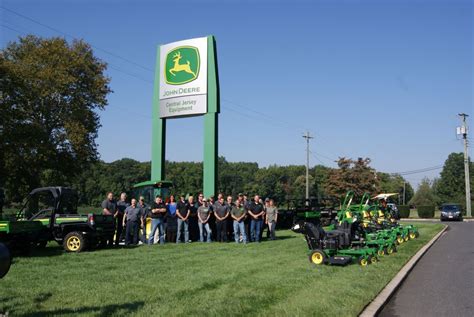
378,79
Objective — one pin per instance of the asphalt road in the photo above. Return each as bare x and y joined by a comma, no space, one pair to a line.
442,282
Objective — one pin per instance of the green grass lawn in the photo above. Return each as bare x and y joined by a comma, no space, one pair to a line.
271,278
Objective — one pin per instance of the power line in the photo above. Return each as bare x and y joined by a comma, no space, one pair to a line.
71,36
422,170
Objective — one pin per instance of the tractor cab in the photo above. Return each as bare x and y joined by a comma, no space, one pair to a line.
150,189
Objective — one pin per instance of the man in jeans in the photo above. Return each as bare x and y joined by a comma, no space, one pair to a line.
238,214
256,211
158,212
182,211
204,213
133,217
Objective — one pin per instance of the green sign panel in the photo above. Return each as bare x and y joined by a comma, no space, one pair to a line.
182,65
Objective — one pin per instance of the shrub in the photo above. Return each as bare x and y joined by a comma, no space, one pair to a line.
426,211
404,211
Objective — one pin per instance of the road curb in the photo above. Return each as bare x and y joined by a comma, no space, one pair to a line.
431,219
376,305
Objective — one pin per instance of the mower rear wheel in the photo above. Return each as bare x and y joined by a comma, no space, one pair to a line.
374,259
317,257
412,235
400,240
363,261
407,238
381,252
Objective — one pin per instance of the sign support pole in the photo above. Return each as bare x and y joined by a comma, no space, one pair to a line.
158,138
211,121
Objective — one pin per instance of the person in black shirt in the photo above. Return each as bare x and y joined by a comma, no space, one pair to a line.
221,211
145,214
158,213
256,212
121,206
182,212
109,208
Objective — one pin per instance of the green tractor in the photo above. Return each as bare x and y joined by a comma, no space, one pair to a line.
150,189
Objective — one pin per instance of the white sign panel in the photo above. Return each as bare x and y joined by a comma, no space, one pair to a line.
183,78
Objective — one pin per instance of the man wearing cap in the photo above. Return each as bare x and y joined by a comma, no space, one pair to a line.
256,212
121,206
204,212
158,213
134,218
238,214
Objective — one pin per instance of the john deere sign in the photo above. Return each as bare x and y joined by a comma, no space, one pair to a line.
183,78
186,84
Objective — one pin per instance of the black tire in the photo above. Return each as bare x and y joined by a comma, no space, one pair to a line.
74,242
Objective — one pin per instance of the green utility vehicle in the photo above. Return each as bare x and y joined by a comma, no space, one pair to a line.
20,235
54,210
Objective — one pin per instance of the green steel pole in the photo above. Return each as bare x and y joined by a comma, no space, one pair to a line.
211,121
158,138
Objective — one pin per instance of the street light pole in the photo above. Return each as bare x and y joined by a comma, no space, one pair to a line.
307,137
463,132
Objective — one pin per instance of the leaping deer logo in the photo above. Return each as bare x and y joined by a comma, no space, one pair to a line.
180,67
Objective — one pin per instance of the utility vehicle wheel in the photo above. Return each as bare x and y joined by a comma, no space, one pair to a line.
400,240
317,257
381,252
363,261
74,242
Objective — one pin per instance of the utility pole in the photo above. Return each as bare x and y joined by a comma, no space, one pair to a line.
404,190
463,131
307,137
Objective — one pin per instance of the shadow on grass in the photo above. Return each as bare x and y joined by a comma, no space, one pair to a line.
106,310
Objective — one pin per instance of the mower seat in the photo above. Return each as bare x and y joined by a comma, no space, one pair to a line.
343,237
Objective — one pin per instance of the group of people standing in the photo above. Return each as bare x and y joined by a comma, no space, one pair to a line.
187,219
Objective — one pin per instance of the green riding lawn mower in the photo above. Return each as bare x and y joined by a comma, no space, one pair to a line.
360,233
